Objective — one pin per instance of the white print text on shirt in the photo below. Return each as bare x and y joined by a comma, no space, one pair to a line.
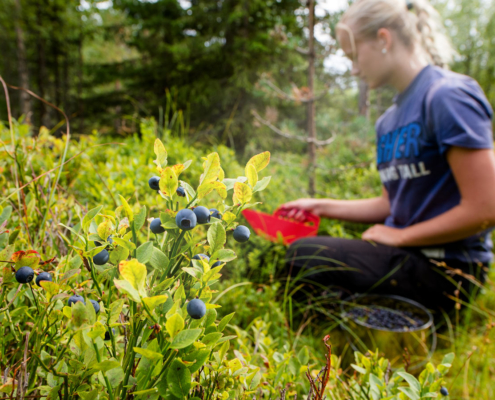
403,171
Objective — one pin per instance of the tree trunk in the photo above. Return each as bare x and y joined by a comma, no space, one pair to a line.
21,58
41,65
311,104
363,103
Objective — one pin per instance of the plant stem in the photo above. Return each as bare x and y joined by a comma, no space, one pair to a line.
194,198
107,382
35,300
134,238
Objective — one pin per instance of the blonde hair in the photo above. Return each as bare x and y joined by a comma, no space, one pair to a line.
415,21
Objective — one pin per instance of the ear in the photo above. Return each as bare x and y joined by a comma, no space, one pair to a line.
384,37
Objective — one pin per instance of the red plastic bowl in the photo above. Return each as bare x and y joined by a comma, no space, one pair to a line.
273,226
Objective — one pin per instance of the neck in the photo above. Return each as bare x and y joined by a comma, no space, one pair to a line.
408,66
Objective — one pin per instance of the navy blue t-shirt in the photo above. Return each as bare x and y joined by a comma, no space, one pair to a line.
439,109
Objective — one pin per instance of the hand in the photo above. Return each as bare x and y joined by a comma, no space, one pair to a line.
384,235
297,208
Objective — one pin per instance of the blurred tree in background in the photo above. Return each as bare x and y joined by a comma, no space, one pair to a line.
205,64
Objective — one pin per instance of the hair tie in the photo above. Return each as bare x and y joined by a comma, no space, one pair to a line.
409,4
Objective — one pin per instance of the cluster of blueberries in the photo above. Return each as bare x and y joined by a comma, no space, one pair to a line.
187,219
382,318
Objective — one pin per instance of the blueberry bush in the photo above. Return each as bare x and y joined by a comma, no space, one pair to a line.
124,299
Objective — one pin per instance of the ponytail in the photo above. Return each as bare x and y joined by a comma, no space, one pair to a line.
416,22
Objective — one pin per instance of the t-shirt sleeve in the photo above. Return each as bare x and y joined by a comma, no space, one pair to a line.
461,116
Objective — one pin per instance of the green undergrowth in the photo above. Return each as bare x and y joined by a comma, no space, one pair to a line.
278,338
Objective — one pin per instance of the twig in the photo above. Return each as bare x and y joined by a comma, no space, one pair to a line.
286,96
290,136
11,301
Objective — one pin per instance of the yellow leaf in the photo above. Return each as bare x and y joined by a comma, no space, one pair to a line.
153,302
168,182
105,229
51,288
259,161
251,175
221,175
212,168
127,209
174,325
205,188
161,153
135,273
228,217
242,192
178,168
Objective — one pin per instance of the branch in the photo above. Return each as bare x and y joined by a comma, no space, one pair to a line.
286,96
289,136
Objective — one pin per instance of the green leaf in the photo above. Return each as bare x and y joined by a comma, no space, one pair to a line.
185,338
127,208
303,356
413,382
161,153
140,219
135,273
86,222
179,379
216,237
115,376
124,243
106,365
79,314
155,301
225,320
448,358
229,183
168,182
144,252
199,357
262,184
409,393
149,354
115,310
158,259
6,212
174,325
126,288
119,254
224,255
294,366
212,338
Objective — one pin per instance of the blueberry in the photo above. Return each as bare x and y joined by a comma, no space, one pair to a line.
444,391
215,213
96,306
44,276
107,334
156,226
196,309
200,257
24,275
101,258
74,299
109,240
241,234
181,192
202,214
186,219
154,182
217,264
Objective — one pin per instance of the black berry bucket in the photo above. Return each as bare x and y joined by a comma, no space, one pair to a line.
391,324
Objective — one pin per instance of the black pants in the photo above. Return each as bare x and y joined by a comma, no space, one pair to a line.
357,266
